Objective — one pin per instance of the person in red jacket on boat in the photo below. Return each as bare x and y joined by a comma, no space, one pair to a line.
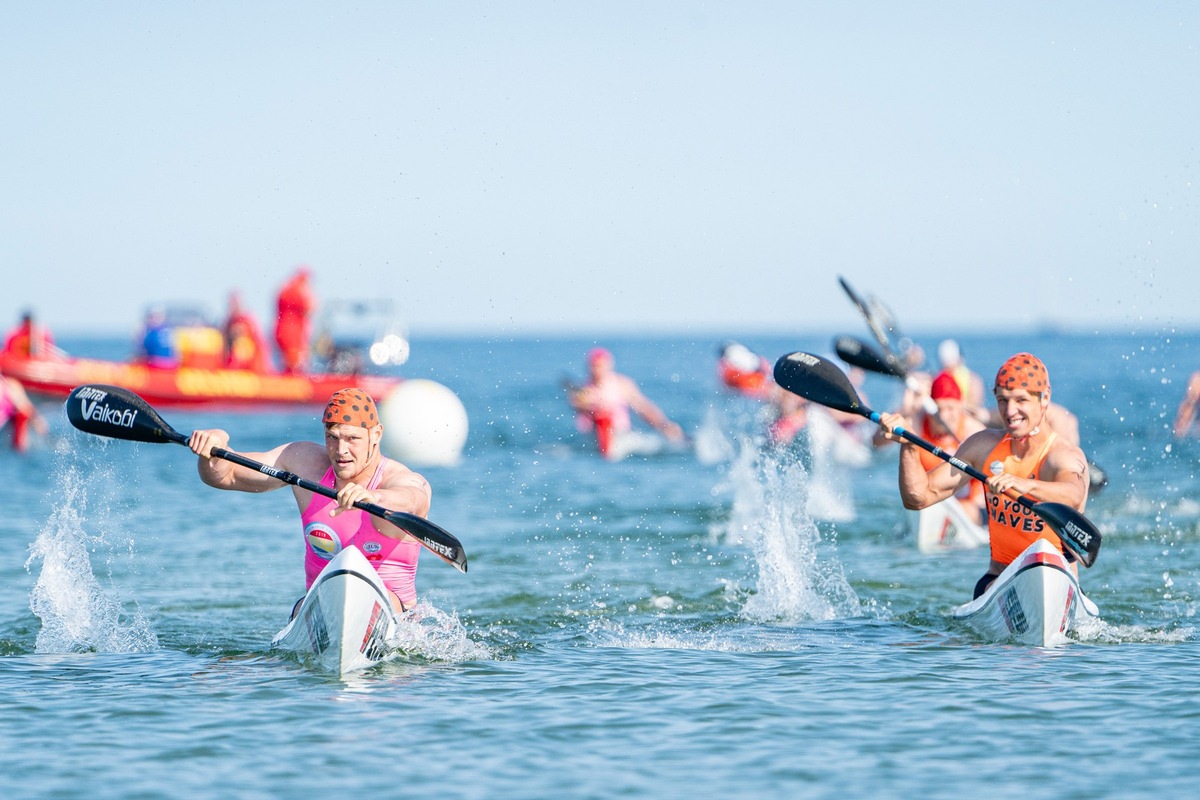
350,462
295,305
30,339
605,400
947,429
1026,458
244,345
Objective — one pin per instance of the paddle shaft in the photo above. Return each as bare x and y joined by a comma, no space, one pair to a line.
118,413
953,460
400,519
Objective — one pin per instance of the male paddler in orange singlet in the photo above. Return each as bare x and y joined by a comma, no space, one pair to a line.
1024,458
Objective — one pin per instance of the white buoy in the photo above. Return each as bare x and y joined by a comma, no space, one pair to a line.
424,424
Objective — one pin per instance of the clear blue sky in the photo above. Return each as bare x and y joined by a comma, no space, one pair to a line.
574,167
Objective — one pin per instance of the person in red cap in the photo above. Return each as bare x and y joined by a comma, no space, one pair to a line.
605,400
1025,457
948,428
350,462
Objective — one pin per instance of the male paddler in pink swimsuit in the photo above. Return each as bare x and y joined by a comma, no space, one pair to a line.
351,463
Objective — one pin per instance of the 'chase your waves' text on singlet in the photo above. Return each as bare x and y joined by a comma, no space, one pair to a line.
1011,526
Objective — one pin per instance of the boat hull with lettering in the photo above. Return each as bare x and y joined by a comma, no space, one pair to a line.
1036,601
345,620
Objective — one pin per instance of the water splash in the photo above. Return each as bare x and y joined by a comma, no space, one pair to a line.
796,581
434,635
833,451
77,614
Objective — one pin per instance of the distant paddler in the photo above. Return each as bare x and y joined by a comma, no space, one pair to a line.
349,462
948,426
1185,415
604,402
744,371
19,412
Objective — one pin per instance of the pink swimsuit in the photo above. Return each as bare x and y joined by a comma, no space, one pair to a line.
325,536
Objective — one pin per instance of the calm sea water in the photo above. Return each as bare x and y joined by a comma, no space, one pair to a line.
724,622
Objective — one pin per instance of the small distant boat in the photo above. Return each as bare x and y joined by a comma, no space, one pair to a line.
346,619
946,526
1036,600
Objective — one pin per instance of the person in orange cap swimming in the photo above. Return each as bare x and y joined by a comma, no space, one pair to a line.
605,400
1025,457
350,462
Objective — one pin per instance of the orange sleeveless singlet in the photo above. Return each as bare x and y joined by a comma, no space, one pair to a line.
1011,526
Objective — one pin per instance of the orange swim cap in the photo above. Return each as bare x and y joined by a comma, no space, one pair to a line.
351,407
1023,371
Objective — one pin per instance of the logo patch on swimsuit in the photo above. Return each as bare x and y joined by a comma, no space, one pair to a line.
997,467
370,548
322,540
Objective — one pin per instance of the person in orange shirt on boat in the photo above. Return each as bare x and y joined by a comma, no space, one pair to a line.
605,400
30,339
1025,458
295,305
947,429
350,462
244,345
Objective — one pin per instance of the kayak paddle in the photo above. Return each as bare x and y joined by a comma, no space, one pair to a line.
118,413
823,382
872,319
858,353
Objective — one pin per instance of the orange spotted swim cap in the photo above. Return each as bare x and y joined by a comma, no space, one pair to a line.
351,407
1023,371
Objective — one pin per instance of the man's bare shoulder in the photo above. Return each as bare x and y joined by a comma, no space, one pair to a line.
306,459
1066,453
977,446
397,474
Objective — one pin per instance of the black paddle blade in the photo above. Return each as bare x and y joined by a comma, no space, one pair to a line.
435,538
1076,530
118,414
858,353
818,380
